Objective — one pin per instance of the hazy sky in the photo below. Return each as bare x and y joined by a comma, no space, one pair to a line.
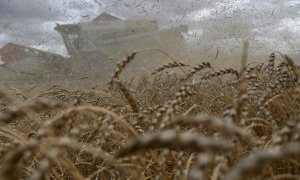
267,24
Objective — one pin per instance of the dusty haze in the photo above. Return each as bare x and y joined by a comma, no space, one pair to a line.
217,28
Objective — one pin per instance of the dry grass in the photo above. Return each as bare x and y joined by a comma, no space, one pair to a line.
199,124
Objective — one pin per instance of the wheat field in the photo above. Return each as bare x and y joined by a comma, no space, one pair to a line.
194,123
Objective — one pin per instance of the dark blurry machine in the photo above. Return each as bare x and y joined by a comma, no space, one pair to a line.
95,47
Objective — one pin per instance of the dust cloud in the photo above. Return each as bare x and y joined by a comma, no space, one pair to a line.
190,31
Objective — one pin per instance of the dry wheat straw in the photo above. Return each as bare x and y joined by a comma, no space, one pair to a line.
190,142
256,162
168,66
128,95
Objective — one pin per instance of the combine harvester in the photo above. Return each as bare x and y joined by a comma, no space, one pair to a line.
95,47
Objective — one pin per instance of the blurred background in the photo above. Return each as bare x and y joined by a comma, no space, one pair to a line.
213,30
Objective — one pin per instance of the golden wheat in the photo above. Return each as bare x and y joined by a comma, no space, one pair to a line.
226,124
